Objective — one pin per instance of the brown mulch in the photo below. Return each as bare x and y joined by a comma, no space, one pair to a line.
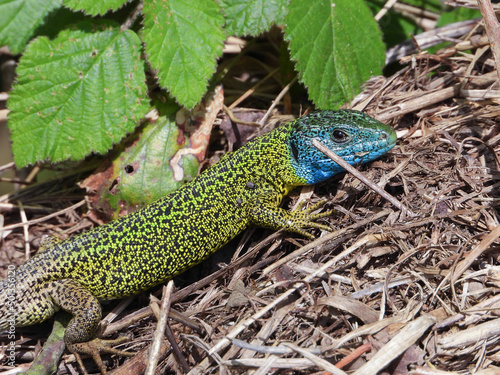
383,292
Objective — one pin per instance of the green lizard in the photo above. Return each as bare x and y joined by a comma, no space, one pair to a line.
180,230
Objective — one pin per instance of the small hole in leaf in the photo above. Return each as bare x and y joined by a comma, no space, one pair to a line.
114,184
129,168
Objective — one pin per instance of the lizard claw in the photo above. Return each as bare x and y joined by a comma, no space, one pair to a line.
304,219
94,348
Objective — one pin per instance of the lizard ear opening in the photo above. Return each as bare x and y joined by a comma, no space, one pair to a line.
295,152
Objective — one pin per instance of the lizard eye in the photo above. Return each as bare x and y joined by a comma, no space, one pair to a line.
339,136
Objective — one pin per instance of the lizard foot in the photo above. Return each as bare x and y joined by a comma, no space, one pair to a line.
94,348
304,219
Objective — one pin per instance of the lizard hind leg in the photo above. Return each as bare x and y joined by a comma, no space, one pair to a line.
80,333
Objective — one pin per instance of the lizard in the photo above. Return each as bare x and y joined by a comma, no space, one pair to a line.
163,239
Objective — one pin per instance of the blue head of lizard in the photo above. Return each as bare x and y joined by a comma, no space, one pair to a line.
352,135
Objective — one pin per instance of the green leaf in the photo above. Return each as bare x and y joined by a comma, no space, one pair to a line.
337,46
60,19
183,41
395,28
429,5
79,93
94,7
143,172
252,17
20,18
456,15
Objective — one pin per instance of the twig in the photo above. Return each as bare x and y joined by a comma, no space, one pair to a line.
160,329
132,17
280,349
3,114
233,118
320,362
475,253
423,101
280,363
397,345
14,181
253,89
381,13
24,220
355,354
428,39
277,100
267,366
7,166
31,176
470,336
42,219
175,348
349,168
492,26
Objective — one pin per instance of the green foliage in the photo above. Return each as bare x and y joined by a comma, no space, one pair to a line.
457,15
81,87
252,17
144,173
20,18
94,7
79,93
183,41
395,29
431,5
337,47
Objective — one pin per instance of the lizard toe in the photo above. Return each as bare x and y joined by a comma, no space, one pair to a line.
94,348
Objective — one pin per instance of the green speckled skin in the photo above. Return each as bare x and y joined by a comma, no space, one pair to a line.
178,231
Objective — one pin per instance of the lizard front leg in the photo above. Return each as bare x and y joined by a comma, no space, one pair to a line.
265,212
